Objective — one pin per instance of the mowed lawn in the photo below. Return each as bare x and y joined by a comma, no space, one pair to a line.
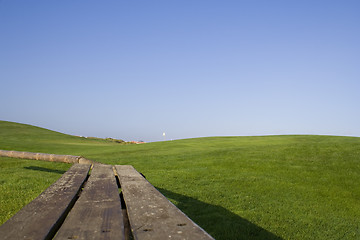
268,187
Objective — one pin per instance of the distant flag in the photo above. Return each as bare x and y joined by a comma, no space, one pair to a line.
164,136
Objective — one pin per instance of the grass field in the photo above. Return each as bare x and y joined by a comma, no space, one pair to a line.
270,187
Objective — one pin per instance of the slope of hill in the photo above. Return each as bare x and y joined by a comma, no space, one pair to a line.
22,137
270,187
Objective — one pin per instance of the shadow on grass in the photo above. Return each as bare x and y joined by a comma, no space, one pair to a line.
35,168
218,221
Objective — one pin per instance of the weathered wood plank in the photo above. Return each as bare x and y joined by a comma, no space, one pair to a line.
45,157
41,217
151,215
97,213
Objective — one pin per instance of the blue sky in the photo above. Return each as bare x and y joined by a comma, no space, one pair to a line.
135,69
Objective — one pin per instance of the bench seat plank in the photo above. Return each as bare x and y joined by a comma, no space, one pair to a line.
97,213
41,217
151,215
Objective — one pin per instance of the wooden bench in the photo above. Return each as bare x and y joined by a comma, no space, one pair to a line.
101,202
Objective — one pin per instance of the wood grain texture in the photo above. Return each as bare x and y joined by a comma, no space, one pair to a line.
150,214
41,217
45,157
97,214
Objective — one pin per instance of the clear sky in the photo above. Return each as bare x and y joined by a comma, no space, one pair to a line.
191,68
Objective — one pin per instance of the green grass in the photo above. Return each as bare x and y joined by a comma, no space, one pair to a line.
271,187
23,180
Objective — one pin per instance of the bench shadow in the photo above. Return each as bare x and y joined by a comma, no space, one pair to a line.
219,222
35,168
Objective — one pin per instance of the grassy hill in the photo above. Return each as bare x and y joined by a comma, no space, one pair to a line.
271,187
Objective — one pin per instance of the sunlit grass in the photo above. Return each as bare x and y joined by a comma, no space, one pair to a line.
291,187
21,181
